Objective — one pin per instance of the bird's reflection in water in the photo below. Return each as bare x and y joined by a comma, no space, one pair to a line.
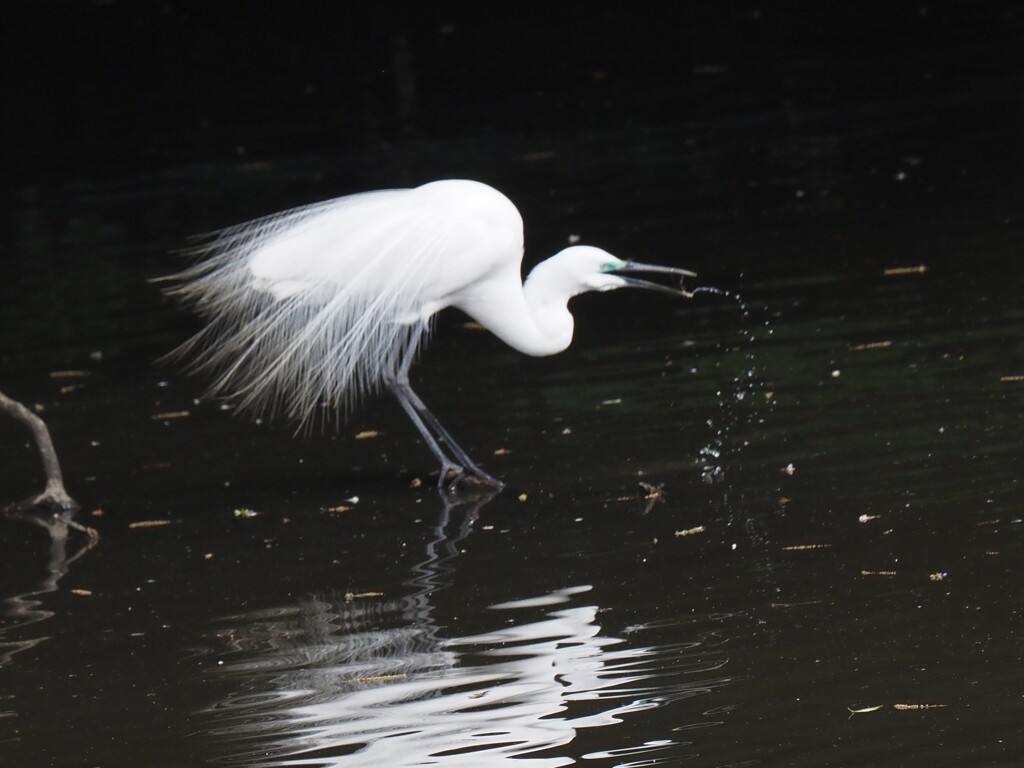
26,608
346,681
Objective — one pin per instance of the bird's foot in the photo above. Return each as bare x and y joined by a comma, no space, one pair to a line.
473,480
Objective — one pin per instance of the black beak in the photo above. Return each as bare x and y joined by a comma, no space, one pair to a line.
633,282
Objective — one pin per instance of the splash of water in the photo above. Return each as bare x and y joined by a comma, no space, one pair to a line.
736,405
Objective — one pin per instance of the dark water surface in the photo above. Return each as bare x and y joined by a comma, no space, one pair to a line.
784,530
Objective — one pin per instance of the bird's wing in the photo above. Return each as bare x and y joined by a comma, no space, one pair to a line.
317,305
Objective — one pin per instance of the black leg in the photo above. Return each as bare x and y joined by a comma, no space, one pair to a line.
433,432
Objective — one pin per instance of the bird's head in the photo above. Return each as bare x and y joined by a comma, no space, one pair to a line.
593,269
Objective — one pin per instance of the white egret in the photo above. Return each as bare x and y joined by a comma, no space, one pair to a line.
320,305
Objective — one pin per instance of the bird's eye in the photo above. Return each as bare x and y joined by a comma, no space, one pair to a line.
608,267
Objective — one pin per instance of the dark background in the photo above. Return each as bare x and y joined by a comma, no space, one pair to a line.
101,90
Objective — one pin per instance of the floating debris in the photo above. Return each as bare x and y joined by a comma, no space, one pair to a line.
800,604
367,434
864,710
150,523
920,269
868,518
899,707
871,345
82,592
652,495
339,508
381,678
246,513
941,576
502,452
170,415
71,374
789,469
1011,379
890,574
652,491
691,531
805,547
522,497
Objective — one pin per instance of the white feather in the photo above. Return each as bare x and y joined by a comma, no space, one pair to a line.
318,305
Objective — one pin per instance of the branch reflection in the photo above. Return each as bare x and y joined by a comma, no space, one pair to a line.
25,608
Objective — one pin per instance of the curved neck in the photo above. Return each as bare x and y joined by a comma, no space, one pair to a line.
534,319
548,306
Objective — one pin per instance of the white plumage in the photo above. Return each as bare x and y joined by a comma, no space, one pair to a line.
321,305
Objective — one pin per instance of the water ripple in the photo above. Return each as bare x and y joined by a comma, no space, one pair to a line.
341,683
